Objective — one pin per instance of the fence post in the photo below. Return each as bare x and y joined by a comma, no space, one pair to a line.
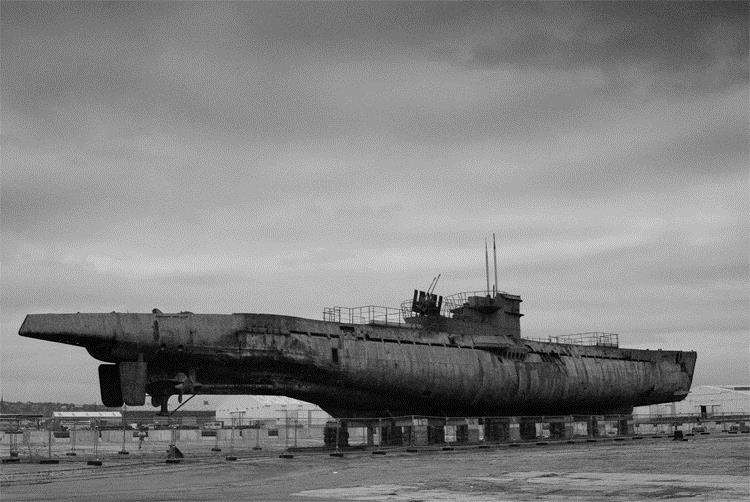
123,451
257,437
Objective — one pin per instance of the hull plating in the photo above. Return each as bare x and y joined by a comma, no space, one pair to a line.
374,370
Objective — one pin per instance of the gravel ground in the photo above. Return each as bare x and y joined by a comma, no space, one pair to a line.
703,468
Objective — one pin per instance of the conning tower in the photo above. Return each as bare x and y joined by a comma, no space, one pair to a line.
491,314
501,311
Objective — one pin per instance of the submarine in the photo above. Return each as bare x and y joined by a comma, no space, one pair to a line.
459,355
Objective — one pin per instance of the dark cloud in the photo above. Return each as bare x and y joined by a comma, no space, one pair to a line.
684,46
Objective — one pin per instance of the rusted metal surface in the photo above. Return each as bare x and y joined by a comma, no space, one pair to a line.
444,367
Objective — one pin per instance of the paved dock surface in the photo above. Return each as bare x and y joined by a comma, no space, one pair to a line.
703,468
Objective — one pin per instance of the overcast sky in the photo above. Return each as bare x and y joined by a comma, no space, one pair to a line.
280,158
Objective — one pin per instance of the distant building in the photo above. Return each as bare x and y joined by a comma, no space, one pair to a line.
745,388
87,418
704,401
246,410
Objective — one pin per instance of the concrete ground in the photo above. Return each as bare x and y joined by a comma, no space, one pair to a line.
703,468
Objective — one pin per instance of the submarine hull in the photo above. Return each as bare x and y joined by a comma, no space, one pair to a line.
363,370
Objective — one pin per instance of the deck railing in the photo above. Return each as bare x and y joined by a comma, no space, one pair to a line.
367,314
594,338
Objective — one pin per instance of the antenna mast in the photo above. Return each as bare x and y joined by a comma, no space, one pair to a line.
433,284
487,267
494,256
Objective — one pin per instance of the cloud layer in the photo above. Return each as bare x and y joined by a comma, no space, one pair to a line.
282,157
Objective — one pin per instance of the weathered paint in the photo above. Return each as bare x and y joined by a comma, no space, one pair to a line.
379,370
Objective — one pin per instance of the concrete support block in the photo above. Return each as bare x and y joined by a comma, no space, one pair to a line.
334,430
561,430
570,430
435,434
593,427
556,430
462,433
406,435
419,432
496,430
391,435
625,427
514,429
527,428
473,430
580,428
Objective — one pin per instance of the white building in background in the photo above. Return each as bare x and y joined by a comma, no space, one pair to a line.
87,418
244,410
704,401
